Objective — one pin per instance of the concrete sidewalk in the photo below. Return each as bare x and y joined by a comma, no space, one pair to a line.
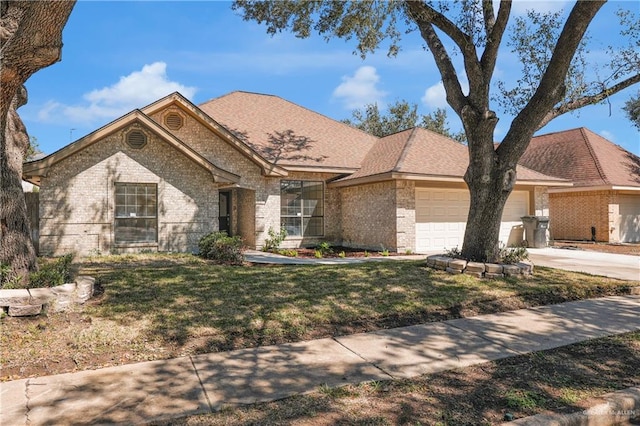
139,393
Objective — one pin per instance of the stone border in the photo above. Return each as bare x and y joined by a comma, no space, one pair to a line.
478,269
29,302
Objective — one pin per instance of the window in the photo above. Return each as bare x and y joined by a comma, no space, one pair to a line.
302,208
136,218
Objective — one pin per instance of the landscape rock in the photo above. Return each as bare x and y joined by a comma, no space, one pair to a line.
474,274
475,267
511,270
491,276
493,268
14,297
458,264
40,296
24,310
84,288
526,267
454,271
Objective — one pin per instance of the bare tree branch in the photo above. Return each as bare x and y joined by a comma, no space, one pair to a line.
588,100
494,38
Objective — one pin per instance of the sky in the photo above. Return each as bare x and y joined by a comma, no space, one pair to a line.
123,55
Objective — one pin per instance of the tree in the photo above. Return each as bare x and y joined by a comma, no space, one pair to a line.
30,39
401,116
632,108
474,31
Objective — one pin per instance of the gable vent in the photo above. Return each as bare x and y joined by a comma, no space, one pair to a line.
136,139
173,121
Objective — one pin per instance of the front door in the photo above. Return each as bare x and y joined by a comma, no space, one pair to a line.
224,215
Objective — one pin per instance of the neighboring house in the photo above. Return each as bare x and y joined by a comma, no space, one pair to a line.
604,203
161,177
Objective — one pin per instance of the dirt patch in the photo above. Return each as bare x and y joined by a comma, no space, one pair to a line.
630,249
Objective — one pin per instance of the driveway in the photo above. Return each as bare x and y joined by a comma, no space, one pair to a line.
620,266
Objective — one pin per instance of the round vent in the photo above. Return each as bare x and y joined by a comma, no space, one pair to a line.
173,121
136,139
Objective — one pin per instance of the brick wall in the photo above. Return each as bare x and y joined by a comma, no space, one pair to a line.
369,216
572,214
77,196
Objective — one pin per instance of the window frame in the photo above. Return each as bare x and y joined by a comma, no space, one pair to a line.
299,211
122,213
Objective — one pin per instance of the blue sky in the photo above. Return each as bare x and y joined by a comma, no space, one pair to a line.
119,56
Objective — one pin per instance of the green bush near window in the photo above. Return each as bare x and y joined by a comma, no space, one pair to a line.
221,247
273,241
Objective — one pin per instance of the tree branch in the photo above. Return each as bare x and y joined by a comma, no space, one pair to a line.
494,38
420,14
551,88
587,100
489,17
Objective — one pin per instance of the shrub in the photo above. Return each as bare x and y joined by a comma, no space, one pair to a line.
288,252
51,274
455,253
272,243
324,248
342,254
511,255
222,248
318,254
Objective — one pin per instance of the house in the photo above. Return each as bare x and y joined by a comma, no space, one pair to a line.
161,177
604,203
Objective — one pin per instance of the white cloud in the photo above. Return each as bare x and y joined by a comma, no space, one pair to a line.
436,97
360,89
608,135
132,91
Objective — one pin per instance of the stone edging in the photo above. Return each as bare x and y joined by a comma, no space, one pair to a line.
478,269
28,302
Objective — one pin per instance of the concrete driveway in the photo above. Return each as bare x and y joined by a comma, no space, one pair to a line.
620,266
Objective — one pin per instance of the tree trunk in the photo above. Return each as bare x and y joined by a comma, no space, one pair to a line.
17,248
490,180
30,39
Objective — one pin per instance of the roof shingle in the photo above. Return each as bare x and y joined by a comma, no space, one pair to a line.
584,157
288,134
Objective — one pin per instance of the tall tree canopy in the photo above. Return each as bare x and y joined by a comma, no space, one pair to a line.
632,108
474,30
401,116
30,39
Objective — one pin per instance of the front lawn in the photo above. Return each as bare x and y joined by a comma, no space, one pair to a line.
161,306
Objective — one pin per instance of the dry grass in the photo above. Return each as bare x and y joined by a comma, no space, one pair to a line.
162,306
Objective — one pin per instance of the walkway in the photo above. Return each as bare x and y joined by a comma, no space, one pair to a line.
143,392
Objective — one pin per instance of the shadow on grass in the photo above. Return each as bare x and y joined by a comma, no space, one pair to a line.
210,308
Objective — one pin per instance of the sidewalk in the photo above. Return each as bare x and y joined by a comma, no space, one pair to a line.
139,393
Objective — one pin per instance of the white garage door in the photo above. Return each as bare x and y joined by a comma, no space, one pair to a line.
630,218
441,216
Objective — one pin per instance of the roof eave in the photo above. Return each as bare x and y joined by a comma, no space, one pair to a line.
554,190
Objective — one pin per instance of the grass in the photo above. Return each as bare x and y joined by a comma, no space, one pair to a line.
160,306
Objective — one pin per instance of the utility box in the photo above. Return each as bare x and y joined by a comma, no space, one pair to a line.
535,230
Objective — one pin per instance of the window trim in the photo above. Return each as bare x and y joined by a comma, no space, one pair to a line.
302,216
117,217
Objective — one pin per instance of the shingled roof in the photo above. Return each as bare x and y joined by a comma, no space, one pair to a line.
584,157
288,134
422,153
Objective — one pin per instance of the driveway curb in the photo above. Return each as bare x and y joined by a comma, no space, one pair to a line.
613,408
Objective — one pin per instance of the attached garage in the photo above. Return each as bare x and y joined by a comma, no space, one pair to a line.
441,216
629,208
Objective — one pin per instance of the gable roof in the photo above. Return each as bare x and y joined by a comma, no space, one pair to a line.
33,170
175,98
584,157
289,135
425,155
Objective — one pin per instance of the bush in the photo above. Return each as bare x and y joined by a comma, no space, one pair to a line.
221,247
52,273
511,255
272,243
324,248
